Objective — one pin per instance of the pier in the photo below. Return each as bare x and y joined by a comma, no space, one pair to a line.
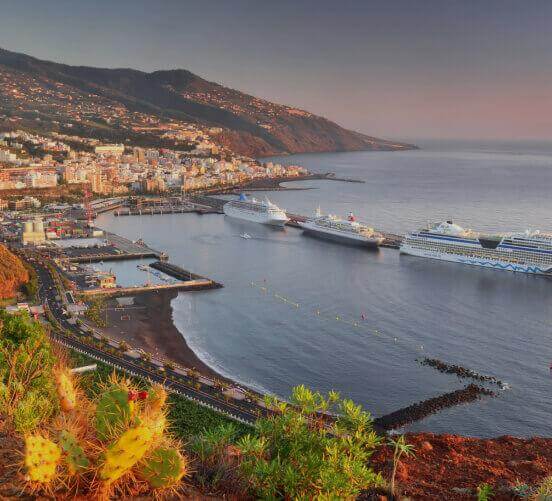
188,285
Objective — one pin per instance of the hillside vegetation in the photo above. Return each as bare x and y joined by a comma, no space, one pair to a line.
12,274
32,89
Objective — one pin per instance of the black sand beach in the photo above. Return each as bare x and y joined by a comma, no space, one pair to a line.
148,325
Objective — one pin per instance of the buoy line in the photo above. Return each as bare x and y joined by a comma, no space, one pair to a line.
437,364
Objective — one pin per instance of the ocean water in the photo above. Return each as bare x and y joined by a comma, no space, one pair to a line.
344,318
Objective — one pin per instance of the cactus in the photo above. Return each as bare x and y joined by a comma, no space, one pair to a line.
75,458
130,448
65,390
121,434
42,457
164,468
113,412
156,399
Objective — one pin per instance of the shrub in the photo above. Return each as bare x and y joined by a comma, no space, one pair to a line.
26,372
298,453
544,490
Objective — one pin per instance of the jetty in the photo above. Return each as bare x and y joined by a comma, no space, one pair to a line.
188,285
180,273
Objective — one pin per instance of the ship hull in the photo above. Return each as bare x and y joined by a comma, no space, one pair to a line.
255,217
358,241
484,262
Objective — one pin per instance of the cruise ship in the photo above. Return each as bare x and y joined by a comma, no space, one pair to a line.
264,212
342,230
527,252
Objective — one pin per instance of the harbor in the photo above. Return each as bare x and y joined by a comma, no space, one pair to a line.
264,340
363,307
209,204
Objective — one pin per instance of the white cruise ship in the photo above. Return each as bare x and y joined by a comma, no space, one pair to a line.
264,212
528,252
342,230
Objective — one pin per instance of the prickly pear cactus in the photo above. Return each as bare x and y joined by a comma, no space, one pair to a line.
114,412
156,399
65,390
75,458
130,448
42,457
164,468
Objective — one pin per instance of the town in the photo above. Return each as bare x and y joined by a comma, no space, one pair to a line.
32,161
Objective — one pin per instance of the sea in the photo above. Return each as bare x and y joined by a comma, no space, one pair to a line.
299,310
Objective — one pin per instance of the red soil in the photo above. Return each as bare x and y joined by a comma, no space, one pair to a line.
444,462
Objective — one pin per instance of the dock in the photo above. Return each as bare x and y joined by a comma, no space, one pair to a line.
188,285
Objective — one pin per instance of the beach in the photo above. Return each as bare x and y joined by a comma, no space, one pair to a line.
148,325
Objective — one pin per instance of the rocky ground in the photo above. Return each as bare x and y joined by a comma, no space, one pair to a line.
452,467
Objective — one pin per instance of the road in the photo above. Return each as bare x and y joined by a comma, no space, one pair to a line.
239,410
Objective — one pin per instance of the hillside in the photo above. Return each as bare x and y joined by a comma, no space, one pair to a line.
12,273
105,101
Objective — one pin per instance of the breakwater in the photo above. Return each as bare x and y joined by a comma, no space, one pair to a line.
180,273
421,410
461,372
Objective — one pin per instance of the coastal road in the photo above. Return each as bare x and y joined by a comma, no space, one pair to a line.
243,411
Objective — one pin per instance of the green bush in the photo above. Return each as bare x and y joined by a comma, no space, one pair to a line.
27,391
299,453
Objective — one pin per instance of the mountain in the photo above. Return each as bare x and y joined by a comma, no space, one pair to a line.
249,125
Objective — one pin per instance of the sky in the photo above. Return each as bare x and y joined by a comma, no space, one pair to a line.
398,69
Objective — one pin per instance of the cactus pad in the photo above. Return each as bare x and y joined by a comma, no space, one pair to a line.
156,398
65,390
42,457
113,412
164,468
130,448
76,460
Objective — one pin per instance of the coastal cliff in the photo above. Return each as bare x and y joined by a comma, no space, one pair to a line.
106,103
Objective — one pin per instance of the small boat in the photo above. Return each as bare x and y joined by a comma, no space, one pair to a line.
247,236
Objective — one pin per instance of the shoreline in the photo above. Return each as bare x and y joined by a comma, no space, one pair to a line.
150,327
275,183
